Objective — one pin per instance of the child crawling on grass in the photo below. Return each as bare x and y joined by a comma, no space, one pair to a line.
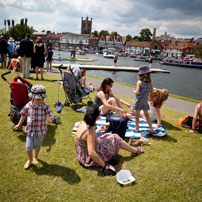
36,112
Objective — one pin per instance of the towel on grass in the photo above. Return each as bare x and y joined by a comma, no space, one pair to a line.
143,127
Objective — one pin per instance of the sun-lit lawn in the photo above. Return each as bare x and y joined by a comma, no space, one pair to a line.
169,170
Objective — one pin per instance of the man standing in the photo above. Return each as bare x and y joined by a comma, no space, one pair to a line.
115,59
150,62
3,51
11,49
26,51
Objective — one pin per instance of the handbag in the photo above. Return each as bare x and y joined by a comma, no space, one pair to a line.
187,123
118,124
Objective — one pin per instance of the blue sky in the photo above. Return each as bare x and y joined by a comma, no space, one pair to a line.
182,18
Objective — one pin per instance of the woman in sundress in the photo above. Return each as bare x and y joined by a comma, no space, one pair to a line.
98,151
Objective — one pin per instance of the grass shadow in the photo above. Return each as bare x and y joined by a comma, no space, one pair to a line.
164,138
67,174
169,126
49,138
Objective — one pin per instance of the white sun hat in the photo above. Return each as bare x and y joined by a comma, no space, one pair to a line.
124,177
38,92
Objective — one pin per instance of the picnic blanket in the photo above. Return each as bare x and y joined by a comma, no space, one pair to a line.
143,128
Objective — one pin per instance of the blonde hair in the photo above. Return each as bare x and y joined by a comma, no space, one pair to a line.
158,96
39,40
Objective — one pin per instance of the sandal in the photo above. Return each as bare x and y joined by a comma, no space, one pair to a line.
139,151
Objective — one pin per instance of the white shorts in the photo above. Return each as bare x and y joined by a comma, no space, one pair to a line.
101,113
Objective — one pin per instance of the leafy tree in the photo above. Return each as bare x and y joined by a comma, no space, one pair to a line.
2,30
145,35
113,33
135,38
129,37
95,33
103,32
17,32
198,51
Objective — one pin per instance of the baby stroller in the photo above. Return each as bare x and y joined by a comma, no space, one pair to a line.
20,89
73,89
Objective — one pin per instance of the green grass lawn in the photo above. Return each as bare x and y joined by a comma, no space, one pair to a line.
169,170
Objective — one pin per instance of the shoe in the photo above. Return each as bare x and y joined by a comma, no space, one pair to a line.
42,78
37,78
30,77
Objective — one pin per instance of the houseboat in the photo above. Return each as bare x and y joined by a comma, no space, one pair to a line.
183,63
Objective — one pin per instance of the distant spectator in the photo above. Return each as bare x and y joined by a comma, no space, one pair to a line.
49,59
3,51
11,49
26,52
115,59
150,62
39,50
15,64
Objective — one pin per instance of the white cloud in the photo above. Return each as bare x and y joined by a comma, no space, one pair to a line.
179,18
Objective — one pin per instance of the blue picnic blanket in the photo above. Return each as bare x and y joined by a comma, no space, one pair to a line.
143,128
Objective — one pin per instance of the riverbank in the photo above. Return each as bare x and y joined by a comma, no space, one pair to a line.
169,170
172,103
182,81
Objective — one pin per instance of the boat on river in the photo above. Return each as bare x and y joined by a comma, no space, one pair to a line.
108,55
142,58
183,63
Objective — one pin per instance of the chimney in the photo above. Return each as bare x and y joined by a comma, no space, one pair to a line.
165,33
154,34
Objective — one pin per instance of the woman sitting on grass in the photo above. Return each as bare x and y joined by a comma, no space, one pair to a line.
98,151
106,104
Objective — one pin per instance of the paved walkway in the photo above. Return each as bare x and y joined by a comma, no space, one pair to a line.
173,103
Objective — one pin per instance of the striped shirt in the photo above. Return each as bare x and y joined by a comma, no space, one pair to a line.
36,118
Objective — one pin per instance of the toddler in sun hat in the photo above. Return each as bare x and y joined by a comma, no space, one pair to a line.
38,92
36,112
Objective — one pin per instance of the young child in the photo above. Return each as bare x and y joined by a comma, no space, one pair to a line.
36,112
156,99
144,87
87,86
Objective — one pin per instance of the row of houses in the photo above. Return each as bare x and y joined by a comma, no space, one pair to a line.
164,45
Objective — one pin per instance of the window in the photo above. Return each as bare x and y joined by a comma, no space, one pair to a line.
187,50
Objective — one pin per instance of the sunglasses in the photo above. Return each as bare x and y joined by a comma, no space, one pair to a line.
110,85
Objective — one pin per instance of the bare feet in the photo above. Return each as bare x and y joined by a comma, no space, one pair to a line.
27,165
189,131
136,129
35,161
153,131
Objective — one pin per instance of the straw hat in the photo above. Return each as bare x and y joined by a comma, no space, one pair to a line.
11,39
38,92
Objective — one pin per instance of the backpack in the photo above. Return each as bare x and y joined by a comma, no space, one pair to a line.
187,123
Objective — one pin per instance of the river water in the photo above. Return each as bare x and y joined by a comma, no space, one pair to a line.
182,81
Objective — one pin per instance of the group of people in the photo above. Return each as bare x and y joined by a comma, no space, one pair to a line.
10,50
90,149
25,56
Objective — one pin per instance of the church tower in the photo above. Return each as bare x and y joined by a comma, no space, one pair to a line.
86,26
